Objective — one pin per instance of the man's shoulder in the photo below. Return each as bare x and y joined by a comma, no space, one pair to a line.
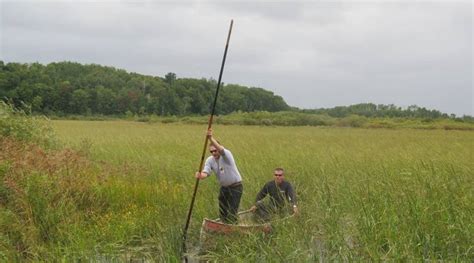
227,155
210,159
226,151
287,184
270,183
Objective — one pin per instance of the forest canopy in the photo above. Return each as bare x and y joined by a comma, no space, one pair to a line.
69,88
66,88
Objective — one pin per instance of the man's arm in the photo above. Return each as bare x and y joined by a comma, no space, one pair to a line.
201,175
263,192
292,197
206,170
213,141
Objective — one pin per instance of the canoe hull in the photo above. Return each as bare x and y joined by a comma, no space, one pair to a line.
213,226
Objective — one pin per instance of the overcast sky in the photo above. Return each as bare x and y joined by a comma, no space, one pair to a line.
312,53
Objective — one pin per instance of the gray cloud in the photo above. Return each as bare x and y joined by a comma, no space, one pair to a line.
314,54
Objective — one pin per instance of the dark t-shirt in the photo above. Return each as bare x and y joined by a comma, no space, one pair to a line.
278,193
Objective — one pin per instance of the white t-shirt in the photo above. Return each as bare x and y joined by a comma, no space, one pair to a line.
224,168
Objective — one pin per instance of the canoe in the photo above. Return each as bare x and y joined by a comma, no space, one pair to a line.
245,225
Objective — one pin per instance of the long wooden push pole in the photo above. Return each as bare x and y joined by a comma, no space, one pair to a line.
211,117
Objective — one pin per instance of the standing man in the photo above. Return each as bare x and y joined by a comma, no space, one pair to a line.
280,192
223,165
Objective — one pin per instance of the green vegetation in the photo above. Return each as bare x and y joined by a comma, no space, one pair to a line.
67,88
120,190
19,125
287,118
123,193
390,111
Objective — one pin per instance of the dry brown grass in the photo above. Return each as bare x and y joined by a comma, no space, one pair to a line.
36,184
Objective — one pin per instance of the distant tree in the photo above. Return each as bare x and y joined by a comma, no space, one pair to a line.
79,102
37,104
105,100
170,77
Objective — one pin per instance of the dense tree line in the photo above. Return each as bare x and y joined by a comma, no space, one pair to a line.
381,110
67,88
71,88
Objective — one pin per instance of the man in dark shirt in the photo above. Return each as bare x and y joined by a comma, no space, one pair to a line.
280,192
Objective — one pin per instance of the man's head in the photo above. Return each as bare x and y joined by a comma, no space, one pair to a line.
214,151
279,175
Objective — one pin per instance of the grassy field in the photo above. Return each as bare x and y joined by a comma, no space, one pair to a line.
364,194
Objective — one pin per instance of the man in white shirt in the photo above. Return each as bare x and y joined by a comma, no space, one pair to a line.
223,165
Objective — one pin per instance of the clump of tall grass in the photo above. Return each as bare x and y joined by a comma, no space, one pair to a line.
18,124
43,189
55,203
41,193
59,204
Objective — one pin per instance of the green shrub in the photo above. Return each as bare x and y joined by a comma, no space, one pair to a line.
18,124
171,119
143,119
352,121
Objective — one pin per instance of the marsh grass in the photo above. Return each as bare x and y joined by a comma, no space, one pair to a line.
364,194
19,124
